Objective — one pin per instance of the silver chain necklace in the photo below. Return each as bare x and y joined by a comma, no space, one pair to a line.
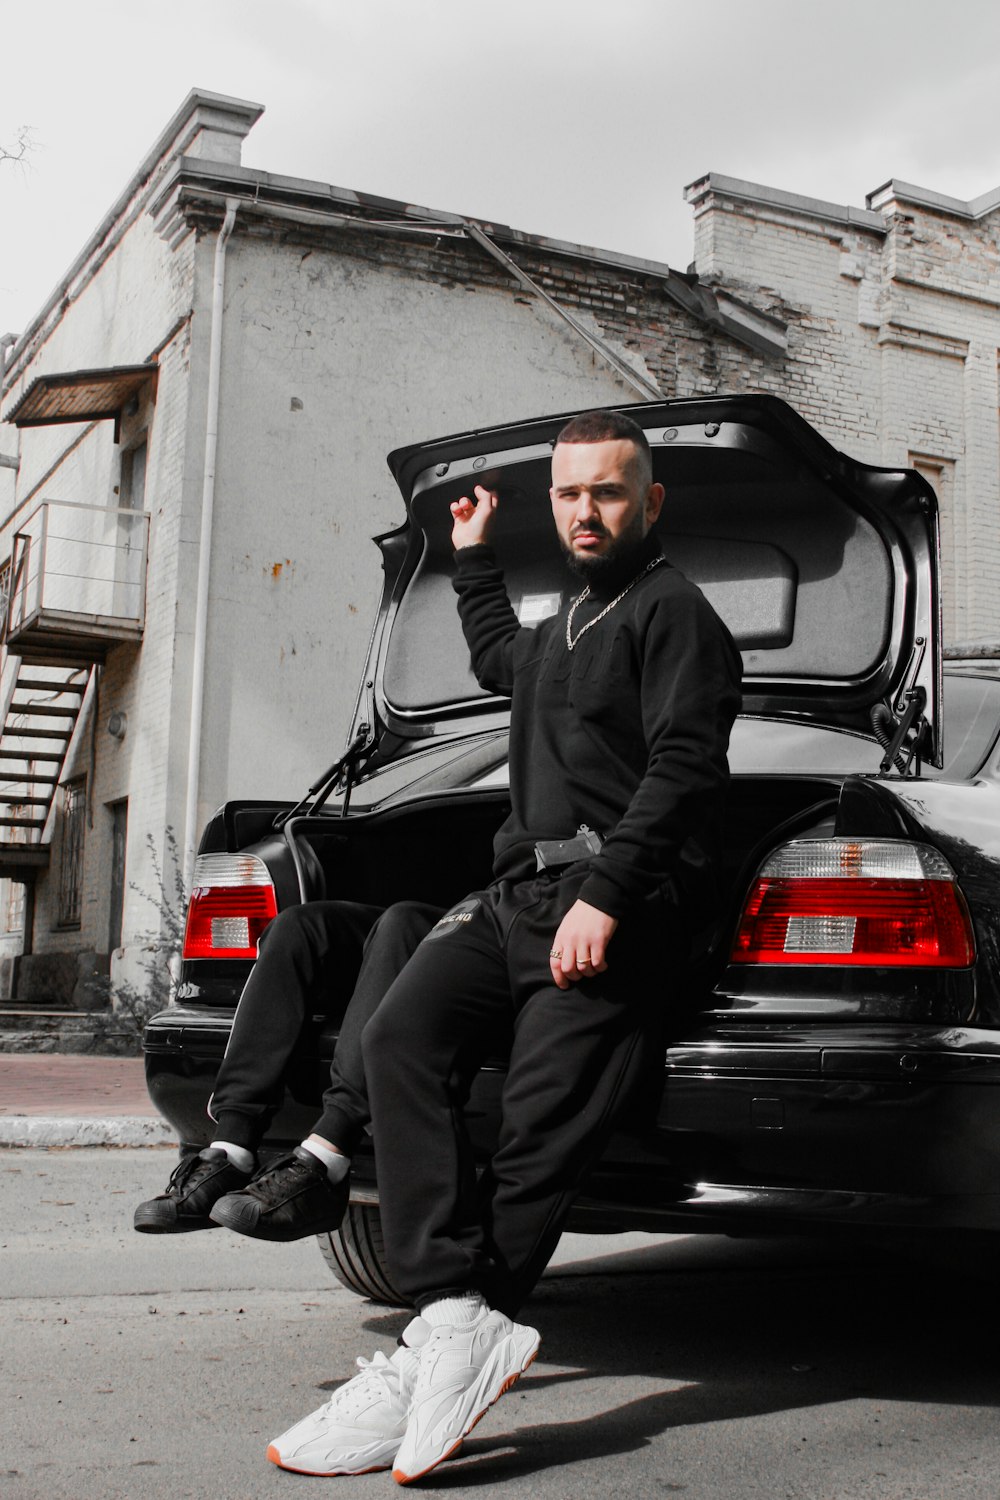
570,642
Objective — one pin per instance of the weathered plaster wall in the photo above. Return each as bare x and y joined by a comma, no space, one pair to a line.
333,356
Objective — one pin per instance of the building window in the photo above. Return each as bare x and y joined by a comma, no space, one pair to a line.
71,865
4,592
132,486
14,906
119,833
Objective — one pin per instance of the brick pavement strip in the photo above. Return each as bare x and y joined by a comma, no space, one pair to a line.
54,1099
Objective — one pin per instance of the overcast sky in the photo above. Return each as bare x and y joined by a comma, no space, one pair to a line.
570,118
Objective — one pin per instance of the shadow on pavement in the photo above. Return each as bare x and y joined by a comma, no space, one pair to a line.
731,1331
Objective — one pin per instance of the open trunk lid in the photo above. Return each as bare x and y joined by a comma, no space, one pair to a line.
824,569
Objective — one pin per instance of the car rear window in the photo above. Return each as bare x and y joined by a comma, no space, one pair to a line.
971,729
758,746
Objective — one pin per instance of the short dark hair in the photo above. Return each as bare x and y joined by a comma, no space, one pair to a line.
605,426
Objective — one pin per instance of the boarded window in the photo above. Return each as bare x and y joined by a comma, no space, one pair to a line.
132,488
14,906
119,829
71,865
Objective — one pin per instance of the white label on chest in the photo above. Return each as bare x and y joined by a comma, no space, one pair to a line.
534,608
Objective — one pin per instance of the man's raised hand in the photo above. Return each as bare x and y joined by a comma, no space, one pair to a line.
472,521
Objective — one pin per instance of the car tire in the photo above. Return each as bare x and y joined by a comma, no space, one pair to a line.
355,1254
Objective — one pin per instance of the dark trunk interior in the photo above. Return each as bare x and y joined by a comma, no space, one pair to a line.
440,849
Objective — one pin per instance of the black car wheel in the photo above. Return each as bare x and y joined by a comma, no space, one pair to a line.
355,1254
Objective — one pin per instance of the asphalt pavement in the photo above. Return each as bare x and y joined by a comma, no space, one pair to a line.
57,1099
160,1366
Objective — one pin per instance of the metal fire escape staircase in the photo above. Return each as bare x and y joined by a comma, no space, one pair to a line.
41,705
75,587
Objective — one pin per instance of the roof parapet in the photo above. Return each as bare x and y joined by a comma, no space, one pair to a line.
206,125
211,126
879,204
189,183
755,192
894,192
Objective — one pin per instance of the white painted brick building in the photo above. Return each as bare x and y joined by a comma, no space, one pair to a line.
255,345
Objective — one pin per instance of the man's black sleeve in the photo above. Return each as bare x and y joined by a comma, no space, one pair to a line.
488,619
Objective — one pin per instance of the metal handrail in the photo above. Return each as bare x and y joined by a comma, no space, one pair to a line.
69,545
14,579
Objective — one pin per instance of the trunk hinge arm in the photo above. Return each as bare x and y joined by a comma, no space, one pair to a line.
900,751
347,767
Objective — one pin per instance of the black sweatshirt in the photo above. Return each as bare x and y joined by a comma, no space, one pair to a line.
627,733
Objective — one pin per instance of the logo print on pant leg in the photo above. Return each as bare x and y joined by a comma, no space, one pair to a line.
456,918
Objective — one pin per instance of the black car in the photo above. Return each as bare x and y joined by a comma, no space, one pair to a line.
832,1064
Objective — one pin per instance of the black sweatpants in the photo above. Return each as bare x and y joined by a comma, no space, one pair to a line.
322,958
481,981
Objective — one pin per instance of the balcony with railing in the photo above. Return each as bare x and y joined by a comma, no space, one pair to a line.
77,583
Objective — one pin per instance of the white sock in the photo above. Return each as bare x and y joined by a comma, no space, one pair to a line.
239,1156
336,1163
454,1310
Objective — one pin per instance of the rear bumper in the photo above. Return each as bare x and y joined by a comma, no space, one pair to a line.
183,1050
758,1129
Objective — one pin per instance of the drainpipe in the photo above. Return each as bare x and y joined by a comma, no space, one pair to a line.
7,460
205,543
6,340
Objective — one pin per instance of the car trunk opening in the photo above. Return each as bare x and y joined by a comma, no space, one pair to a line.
823,569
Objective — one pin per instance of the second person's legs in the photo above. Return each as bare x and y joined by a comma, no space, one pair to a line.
306,1192
308,960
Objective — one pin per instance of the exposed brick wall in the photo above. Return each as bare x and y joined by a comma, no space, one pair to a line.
631,311
893,341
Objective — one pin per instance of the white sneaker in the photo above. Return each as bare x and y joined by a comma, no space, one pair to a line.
463,1369
361,1427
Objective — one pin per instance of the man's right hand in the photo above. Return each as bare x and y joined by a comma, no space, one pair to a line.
473,520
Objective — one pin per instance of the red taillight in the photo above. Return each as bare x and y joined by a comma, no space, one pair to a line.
231,903
840,901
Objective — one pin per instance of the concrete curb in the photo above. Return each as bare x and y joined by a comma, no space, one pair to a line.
52,1130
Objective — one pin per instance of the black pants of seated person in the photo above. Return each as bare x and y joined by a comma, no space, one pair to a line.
478,984
321,958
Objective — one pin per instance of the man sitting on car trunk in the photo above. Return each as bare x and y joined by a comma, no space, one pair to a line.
620,718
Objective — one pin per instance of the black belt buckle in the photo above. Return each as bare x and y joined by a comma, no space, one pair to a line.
554,854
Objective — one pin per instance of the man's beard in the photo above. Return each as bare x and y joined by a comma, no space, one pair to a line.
618,560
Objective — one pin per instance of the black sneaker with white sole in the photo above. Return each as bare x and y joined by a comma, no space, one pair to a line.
196,1183
286,1201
